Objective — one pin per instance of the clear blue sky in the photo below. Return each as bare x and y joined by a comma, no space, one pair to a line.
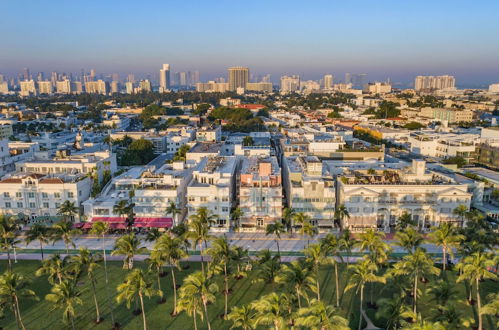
384,38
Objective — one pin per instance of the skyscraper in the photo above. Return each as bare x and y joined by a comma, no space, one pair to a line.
290,84
434,82
238,77
348,78
26,75
328,81
164,78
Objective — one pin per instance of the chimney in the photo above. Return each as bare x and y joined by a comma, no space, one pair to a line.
418,167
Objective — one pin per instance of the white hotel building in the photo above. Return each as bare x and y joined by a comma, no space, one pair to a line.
213,186
310,189
375,198
36,195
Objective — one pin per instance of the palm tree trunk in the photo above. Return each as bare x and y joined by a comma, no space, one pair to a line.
206,315
41,248
201,254
444,261
415,293
175,294
278,250
72,322
226,280
8,258
337,285
143,311
97,313
194,317
360,307
17,313
318,285
478,304
106,278
299,298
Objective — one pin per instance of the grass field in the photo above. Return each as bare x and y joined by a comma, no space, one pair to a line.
38,315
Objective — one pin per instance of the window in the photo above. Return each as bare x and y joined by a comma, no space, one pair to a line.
32,205
259,222
45,205
31,195
192,199
57,195
45,195
7,205
225,209
70,194
19,194
6,194
57,205
203,199
19,205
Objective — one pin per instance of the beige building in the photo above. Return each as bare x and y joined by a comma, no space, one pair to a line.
27,88
260,193
212,86
63,87
238,77
378,88
259,87
45,87
452,115
96,87
434,82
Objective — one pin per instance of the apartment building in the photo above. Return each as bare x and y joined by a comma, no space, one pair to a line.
310,189
159,141
150,189
80,163
213,186
260,193
35,195
444,145
209,134
6,131
452,115
378,88
377,197
50,141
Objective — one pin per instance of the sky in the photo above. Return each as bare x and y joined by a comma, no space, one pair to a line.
393,39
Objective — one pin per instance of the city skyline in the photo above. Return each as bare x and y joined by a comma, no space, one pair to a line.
412,39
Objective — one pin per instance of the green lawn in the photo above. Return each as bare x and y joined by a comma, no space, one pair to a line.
37,315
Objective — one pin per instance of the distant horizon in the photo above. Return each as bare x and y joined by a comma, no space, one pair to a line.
388,39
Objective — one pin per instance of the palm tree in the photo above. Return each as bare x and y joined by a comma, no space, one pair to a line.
332,248
308,229
405,220
395,311
320,316
315,256
156,261
239,256
38,233
248,141
475,268
347,243
128,246
242,317
87,262
442,291
8,234
297,276
198,232
287,218
204,216
54,268
13,286
68,210
221,256
171,250
152,234
446,236
65,296
235,216
492,308
409,239
362,273
174,211
100,228
200,289
135,285
302,219
272,309
121,208
341,213
276,229
461,211
416,265
64,231
268,267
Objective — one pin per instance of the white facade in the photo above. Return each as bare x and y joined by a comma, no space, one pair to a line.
376,200
213,186
36,195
